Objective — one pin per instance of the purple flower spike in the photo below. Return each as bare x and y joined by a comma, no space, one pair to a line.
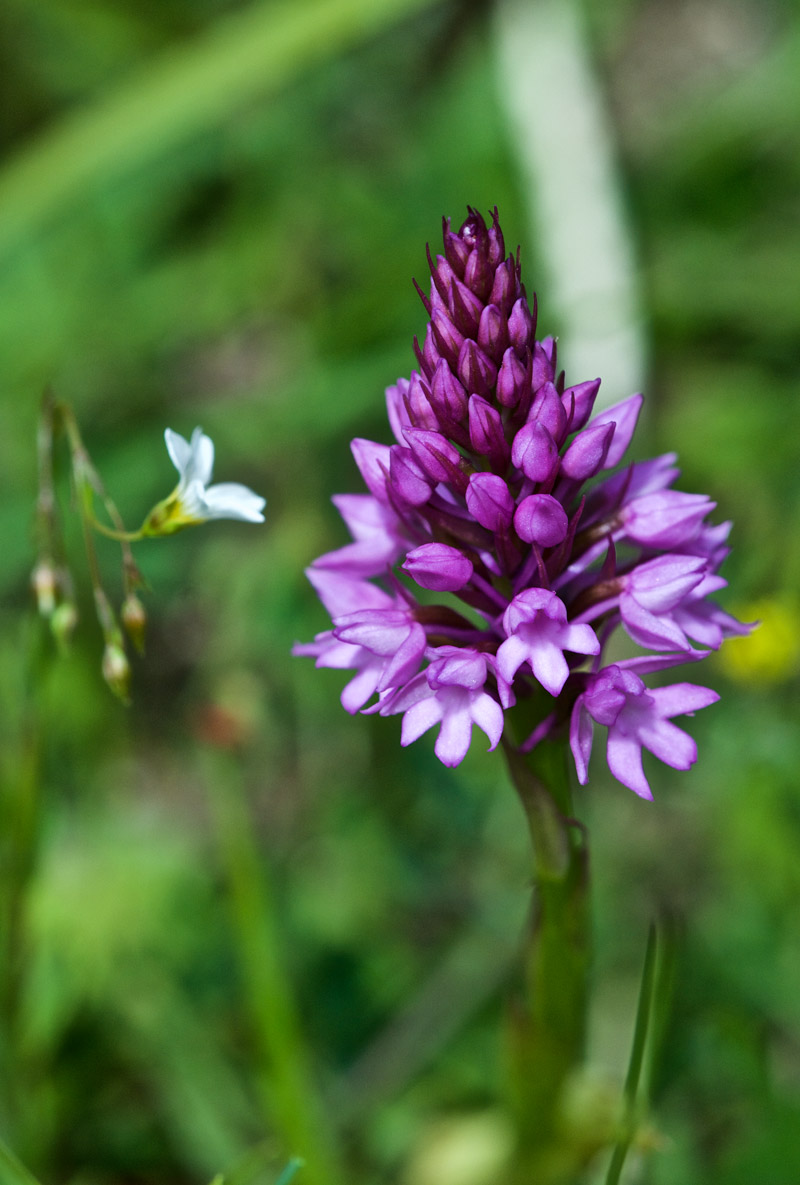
635,718
483,497
538,633
438,566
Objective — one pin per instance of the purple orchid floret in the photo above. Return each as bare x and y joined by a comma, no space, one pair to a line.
636,718
503,540
451,692
538,633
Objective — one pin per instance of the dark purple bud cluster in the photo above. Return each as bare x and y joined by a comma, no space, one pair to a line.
484,495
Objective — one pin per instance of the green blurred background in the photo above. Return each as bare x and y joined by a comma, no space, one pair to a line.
210,213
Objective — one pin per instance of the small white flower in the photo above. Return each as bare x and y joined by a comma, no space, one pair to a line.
194,500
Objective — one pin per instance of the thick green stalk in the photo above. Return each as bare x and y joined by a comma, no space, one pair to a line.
549,1032
285,1078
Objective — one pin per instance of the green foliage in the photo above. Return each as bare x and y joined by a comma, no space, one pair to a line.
211,214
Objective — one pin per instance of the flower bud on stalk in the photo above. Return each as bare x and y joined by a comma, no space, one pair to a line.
44,582
134,619
63,623
117,670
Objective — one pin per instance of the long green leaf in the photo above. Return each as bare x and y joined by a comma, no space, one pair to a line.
184,92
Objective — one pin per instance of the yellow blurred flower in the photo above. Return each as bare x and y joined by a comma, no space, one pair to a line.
771,654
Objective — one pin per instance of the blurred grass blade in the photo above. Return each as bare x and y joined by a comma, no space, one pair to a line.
283,1062
641,1029
289,1172
564,140
12,1171
254,1164
184,93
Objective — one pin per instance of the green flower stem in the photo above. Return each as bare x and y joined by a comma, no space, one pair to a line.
549,1037
88,483
285,1078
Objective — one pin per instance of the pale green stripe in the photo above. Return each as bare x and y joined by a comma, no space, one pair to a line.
12,1171
185,91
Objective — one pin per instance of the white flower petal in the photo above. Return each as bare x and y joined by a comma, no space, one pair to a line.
201,462
179,450
232,500
192,499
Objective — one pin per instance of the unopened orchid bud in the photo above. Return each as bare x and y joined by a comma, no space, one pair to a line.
547,409
543,370
134,619
475,369
497,245
541,519
466,308
512,379
447,338
578,403
479,274
428,355
408,480
442,275
448,397
493,332
456,250
520,325
438,566
504,287
486,433
623,416
534,452
438,457
489,501
418,396
587,452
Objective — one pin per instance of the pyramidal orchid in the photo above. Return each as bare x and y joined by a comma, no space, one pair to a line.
501,491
